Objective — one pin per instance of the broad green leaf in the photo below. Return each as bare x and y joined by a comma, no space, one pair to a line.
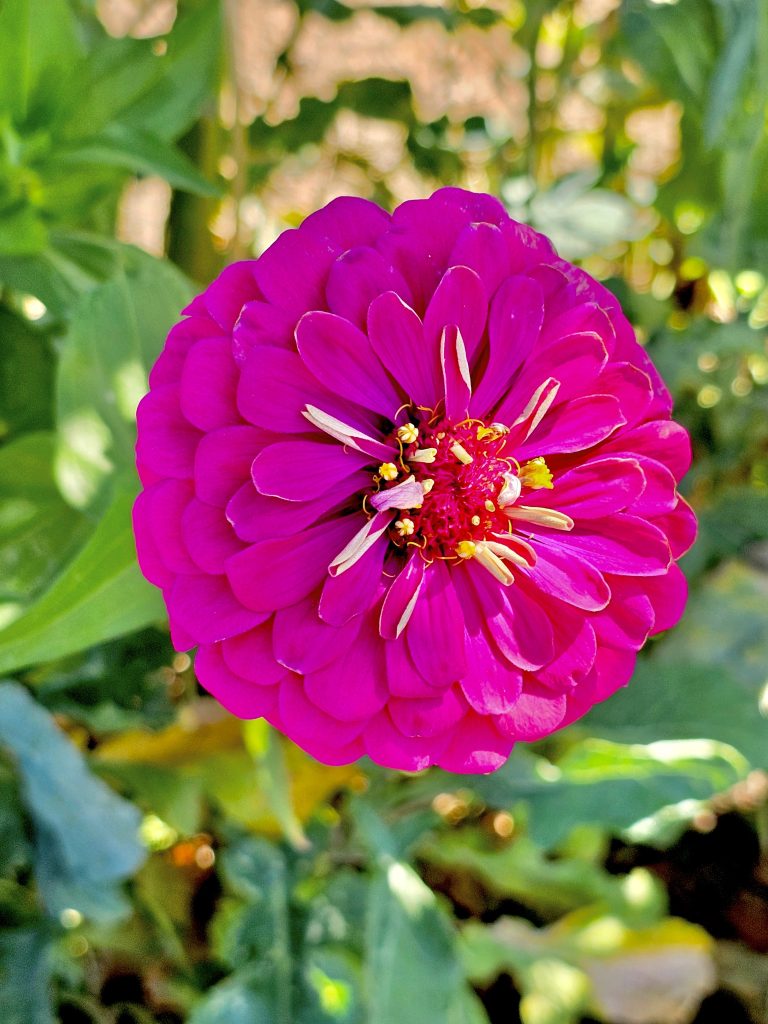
234,1001
733,65
26,377
83,854
707,679
35,54
117,332
25,976
135,150
22,233
38,530
406,929
128,81
101,594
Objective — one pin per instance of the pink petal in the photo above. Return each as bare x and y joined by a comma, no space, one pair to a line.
225,297
477,747
151,561
631,386
181,338
386,745
206,608
368,534
573,426
311,727
459,300
628,619
166,441
357,277
490,684
303,642
402,677
407,494
427,717
576,647
482,248
291,273
518,625
668,595
240,697
279,572
346,222
208,536
353,592
659,495
340,356
662,440
517,313
209,385
680,527
261,324
537,714
401,597
165,504
457,383
576,360
568,579
354,685
255,516
276,387
397,337
621,544
223,462
436,629
348,435
250,656
594,489
301,470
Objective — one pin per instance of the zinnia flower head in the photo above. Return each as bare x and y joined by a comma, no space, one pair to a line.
410,486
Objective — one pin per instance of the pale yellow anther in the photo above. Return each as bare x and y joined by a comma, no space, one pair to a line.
466,548
423,455
494,565
548,517
405,527
489,505
475,520
536,473
408,433
427,485
461,453
492,432
388,471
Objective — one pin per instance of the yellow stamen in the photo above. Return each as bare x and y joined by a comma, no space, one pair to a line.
405,527
427,485
423,455
408,433
461,453
510,490
489,505
536,473
388,471
508,555
466,548
494,565
475,520
541,516
492,432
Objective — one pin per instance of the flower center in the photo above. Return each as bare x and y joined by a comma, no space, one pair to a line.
456,487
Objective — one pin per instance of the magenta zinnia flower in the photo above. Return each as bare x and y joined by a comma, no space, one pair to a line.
410,486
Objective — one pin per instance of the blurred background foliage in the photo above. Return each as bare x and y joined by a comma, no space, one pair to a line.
163,862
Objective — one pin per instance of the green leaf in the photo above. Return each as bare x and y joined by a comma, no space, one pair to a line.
38,530
234,1001
139,151
117,331
81,855
707,679
26,377
25,973
22,233
35,53
101,594
733,64
127,80
406,929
